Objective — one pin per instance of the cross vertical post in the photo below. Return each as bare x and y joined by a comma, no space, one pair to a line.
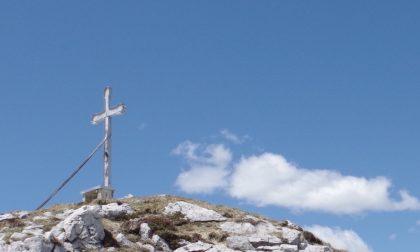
105,191
107,145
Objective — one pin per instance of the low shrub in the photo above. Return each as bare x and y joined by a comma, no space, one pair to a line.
311,238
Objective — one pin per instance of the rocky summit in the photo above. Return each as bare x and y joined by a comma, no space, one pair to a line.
158,223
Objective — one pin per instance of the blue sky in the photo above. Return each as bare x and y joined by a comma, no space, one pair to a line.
329,89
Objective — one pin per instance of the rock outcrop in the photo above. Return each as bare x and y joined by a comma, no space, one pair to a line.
193,212
82,229
154,224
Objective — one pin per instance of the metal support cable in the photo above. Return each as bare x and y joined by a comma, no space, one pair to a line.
73,174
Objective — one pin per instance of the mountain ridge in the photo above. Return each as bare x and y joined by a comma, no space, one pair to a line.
153,223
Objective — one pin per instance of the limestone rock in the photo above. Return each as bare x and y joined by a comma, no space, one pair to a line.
124,242
31,244
303,245
115,210
66,213
193,212
269,248
294,226
195,247
37,243
18,236
238,228
161,244
292,236
146,247
264,240
110,249
34,230
40,218
112,210
145,231
7,216
221,248
288,248
22,214
13,247
266,228
239,242
48,214
316,248
282,247
68,246
83,229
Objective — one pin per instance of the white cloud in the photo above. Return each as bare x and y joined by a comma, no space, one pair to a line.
339,238
269,179
207,167
418,222
232,137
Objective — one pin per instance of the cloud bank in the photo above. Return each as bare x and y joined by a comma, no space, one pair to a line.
269,179
340,239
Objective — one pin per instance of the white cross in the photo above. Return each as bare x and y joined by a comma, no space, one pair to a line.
106,116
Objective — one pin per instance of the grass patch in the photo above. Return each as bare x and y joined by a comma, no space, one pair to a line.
217,236
9,232
12,223
171,228
48,224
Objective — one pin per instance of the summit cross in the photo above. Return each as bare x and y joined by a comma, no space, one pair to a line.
106,117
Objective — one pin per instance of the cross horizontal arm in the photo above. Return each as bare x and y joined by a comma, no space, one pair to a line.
117,110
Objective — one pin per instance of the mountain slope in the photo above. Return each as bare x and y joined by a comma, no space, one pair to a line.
157,223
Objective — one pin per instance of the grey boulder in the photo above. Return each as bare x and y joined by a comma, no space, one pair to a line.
193,212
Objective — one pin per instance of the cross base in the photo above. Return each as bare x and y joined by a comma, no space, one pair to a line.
98,192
